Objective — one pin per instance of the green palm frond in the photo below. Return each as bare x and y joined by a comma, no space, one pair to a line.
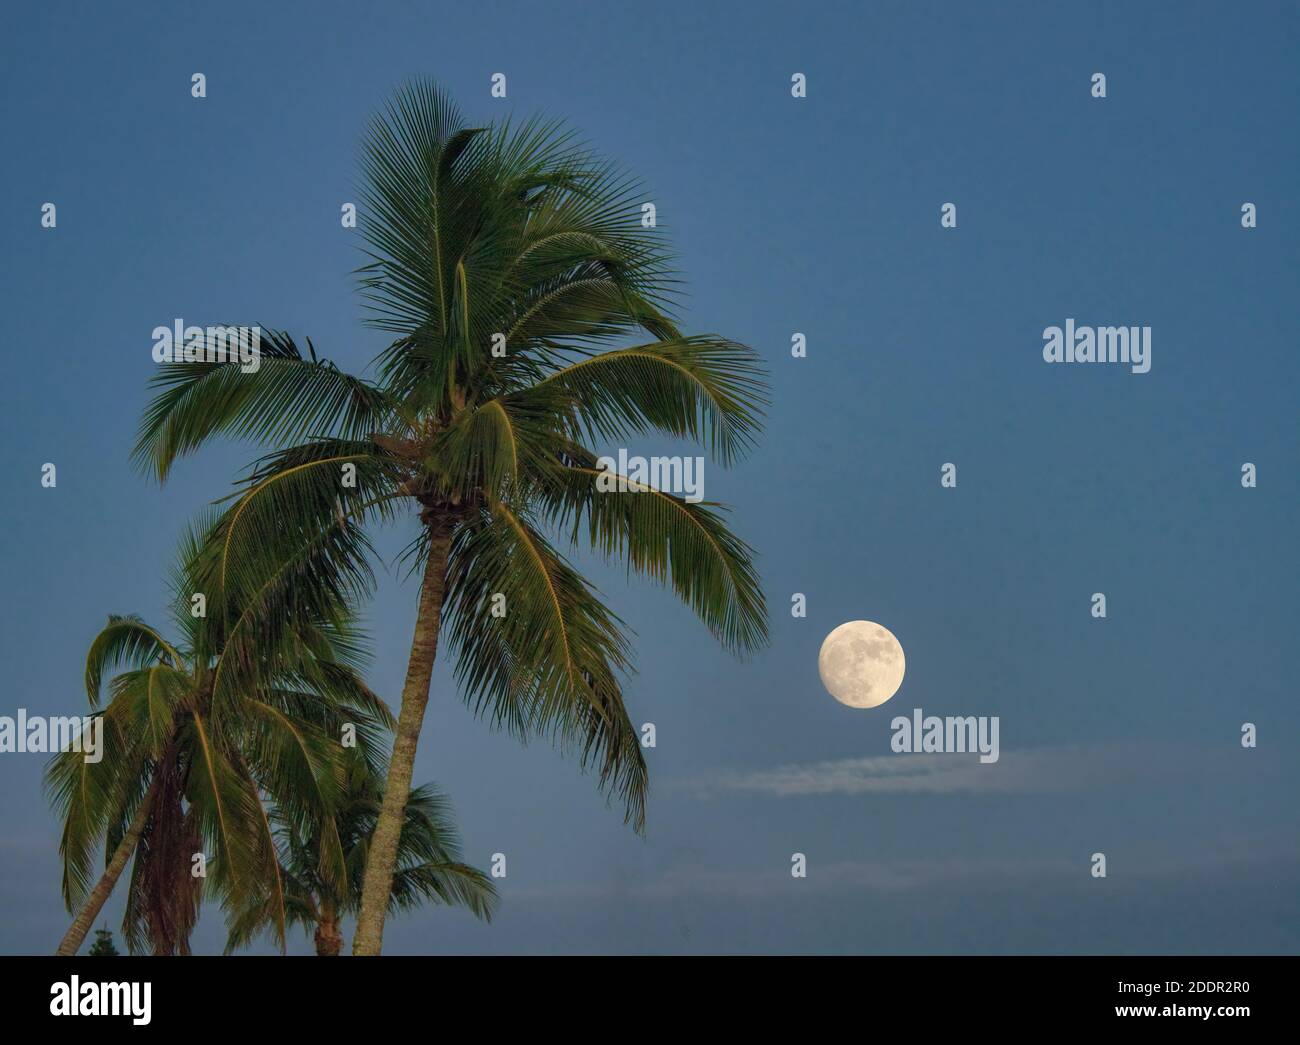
146,704
670,540
126,640
550,665
451,884
89,797
706,389
288,398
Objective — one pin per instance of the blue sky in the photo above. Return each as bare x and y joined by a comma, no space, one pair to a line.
818,215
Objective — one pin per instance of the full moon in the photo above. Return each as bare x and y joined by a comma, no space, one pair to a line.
861,664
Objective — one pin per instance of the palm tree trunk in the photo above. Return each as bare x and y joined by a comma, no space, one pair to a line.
76,934
378,882
329,935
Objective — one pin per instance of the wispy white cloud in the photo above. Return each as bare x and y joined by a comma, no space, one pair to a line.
1035,770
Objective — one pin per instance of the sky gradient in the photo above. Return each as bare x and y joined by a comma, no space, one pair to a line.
816,215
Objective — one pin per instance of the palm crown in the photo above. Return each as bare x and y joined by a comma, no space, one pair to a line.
518,237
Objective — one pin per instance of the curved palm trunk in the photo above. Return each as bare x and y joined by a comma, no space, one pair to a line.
378,882
76,934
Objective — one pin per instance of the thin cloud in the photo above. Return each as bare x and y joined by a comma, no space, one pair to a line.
1035,770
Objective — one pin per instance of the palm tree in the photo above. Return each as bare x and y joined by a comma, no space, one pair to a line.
429,866
188,757
103,947
504,261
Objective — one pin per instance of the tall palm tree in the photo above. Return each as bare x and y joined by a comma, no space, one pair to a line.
429,866
187,761
504,261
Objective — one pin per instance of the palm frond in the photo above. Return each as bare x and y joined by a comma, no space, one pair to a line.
125,640
288,398
550,665
704,388
668,539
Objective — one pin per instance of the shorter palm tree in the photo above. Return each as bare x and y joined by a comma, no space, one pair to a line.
197,732
429,865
